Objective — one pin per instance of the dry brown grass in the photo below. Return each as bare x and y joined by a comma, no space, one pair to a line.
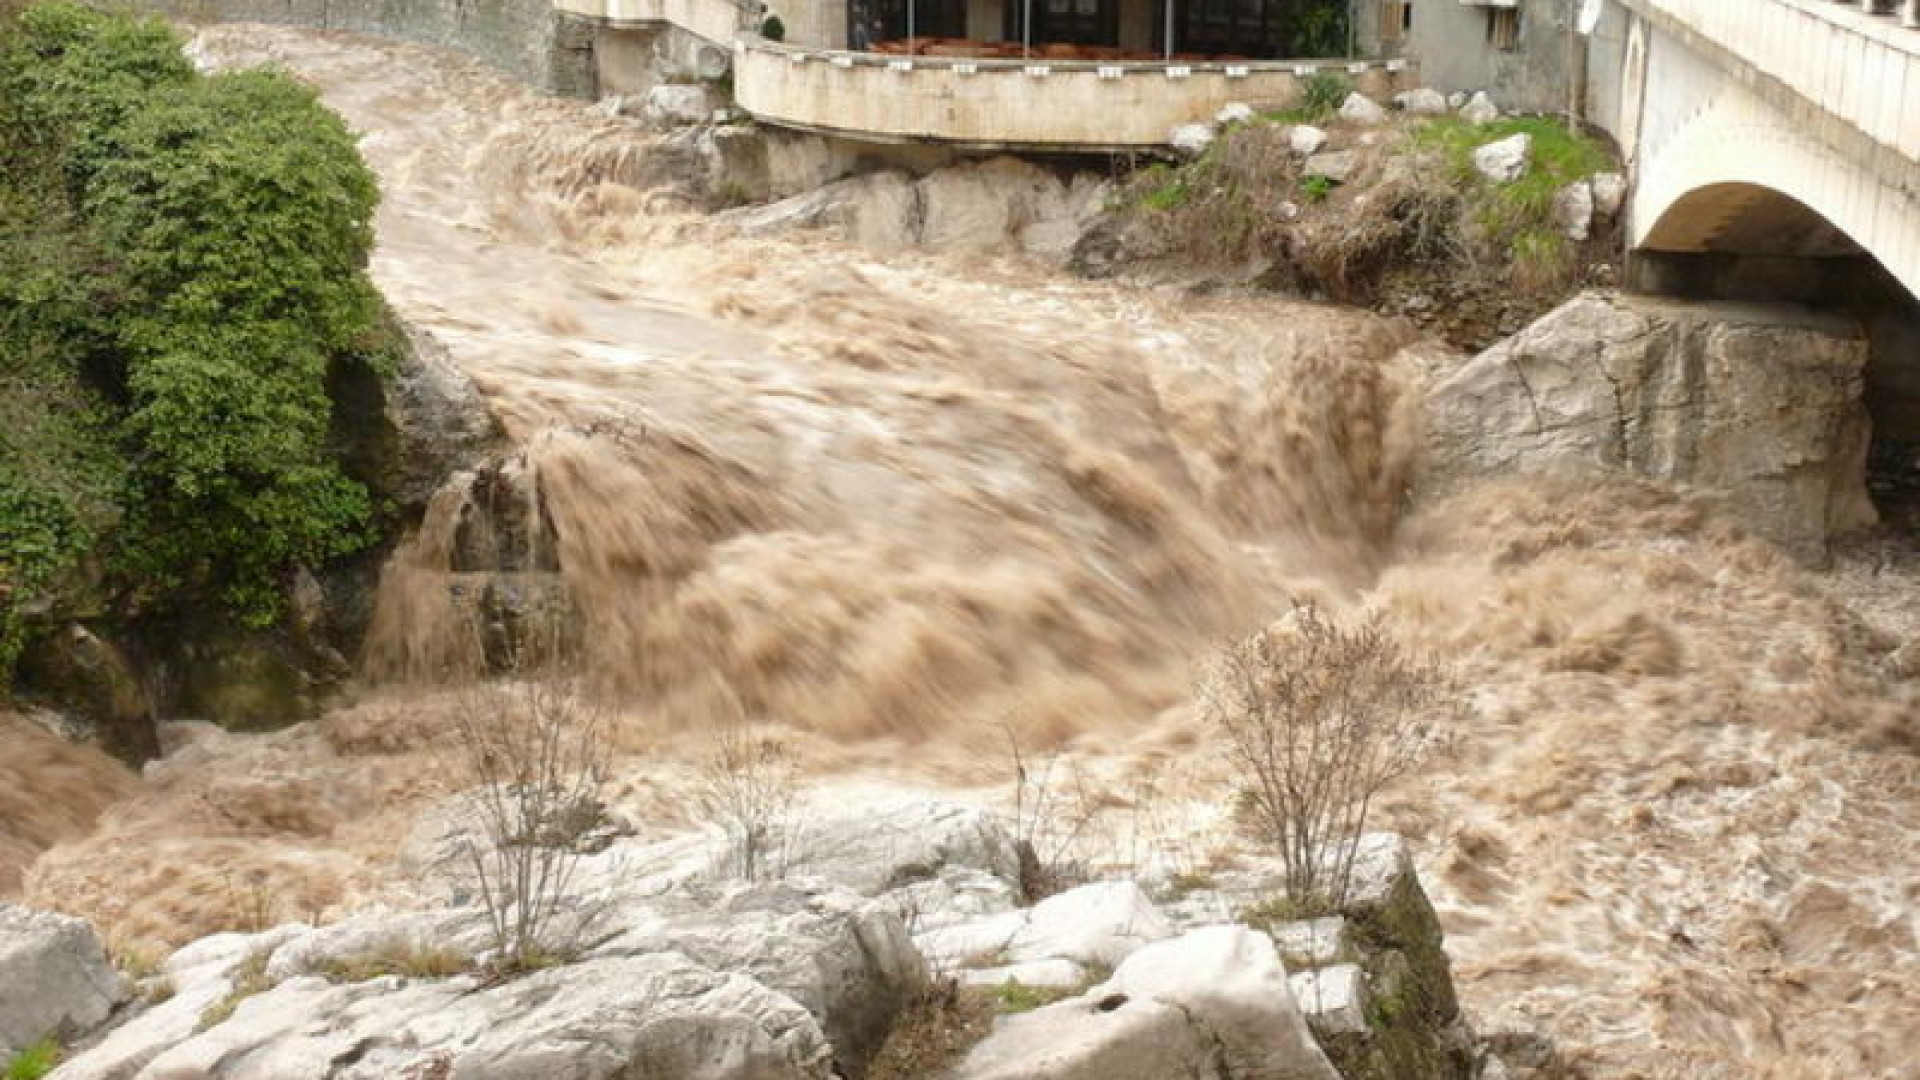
944,1022
399,956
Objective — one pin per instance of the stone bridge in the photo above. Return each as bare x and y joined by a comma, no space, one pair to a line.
1768,138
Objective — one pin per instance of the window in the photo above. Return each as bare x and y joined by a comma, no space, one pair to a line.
1396,18
1503,28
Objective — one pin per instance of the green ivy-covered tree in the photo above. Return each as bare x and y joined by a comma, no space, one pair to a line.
182,265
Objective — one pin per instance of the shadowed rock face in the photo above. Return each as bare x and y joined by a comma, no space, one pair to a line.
1761,406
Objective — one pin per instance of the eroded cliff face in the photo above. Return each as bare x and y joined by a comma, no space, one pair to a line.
1759,406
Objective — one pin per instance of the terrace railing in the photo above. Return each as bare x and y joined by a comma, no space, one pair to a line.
1031,104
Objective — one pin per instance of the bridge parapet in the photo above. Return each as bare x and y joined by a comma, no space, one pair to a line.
1860,67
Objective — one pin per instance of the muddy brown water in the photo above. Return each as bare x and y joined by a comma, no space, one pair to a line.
888,505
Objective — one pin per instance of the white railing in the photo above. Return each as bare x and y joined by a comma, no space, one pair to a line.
1908,10
1842,56
1012,103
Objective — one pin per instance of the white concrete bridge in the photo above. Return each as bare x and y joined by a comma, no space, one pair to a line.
1767,129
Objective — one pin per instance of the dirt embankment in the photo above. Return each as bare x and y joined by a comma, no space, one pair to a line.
1393,217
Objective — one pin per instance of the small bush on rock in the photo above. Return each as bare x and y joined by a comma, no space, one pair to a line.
534,748
1319,719
1321,95
748,786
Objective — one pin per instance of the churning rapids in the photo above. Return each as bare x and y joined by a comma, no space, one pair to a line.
890,504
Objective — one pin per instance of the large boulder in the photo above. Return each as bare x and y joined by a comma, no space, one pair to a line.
1761,406
198,980
680,104
54,978
847,960
888,844
1479,109
1002,203
1386,1009
1422,102
877,210
599,1019
768,982
1094,926
1373,979
81,673
1214,1002
1305,139
1191,139
1504,160
1360,109
426,422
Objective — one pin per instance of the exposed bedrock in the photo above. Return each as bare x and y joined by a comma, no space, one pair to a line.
1758,405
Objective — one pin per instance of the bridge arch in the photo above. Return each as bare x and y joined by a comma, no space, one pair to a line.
1735,177
1736,199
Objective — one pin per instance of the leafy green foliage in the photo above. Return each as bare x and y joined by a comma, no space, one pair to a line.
80,73
1316,188
1317,28
35,1061
1321,95
181,269
60,486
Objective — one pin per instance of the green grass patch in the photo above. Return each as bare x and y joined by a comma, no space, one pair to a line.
1014,996
1162,187
248,979
35,1061
1515,216
1321,95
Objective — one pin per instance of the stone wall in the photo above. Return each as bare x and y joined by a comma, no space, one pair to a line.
1758,405
528,39
1451,44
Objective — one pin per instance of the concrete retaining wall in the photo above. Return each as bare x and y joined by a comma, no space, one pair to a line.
1008,105
528,39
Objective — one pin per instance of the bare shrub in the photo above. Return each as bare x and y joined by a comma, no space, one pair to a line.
1318,719
748,786
534,748
1051,813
